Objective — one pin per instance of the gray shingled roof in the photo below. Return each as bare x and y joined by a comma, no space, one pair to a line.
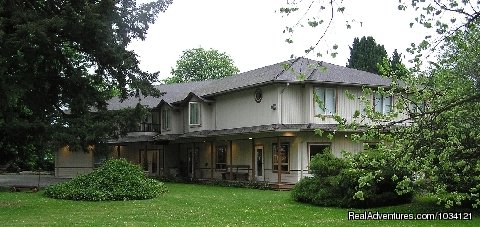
311,70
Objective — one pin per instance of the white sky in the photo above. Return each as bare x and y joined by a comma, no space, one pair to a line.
250,32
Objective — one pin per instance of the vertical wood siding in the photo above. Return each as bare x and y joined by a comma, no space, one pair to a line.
239,109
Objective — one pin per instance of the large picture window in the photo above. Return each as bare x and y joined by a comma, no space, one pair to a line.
221,158
325,101
166,119
320,148
284,152
382,104
194,113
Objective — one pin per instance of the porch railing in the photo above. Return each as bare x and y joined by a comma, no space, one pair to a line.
147,127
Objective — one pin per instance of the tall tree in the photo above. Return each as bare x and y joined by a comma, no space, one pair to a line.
199,64
441,105
366,54
57,55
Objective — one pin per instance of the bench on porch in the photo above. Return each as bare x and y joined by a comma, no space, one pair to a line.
18,188
233,171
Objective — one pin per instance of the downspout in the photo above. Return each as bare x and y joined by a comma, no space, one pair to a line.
215,112
281,103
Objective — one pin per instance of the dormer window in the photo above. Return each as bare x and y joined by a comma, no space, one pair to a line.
194,113
325,101
381,103
166,119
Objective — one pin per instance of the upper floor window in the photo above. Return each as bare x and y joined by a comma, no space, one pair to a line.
194,113
381,103
166,119
325,101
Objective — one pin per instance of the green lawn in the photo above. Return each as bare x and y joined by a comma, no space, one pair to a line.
199,205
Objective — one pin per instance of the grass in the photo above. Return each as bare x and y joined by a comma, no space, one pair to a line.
197,205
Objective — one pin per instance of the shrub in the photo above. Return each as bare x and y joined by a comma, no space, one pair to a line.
117,179
367,179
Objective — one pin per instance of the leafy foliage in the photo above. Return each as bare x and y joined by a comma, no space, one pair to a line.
438,103
199,64
117,179
367,179
443,143
366,54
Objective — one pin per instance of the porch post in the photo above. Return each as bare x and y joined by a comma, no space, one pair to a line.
253,159
163,161
193,161
279,168
231,160
145,159
139,147
211,160
118,151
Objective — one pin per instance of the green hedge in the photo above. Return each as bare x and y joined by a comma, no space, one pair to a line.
337,182
117,179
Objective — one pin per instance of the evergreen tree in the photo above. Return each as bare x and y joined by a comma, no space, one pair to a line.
57,55
366,54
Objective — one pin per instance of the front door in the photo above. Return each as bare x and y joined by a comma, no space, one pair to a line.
154,164
259,168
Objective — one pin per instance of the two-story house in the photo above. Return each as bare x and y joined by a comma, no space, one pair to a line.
206,129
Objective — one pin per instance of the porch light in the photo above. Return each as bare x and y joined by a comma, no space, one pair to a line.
250,138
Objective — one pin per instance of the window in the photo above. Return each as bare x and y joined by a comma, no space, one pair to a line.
315,149
221,158
194,113
166,119
325,101
382,104
284,150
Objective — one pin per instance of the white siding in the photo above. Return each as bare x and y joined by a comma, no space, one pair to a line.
239,109
293,107
71,163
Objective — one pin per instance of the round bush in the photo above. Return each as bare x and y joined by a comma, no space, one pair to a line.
117,179
336,181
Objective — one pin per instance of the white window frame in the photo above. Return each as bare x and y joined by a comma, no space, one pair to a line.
321,92
198,123
380,105
166,119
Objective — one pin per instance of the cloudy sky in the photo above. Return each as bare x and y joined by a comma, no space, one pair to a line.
251,32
